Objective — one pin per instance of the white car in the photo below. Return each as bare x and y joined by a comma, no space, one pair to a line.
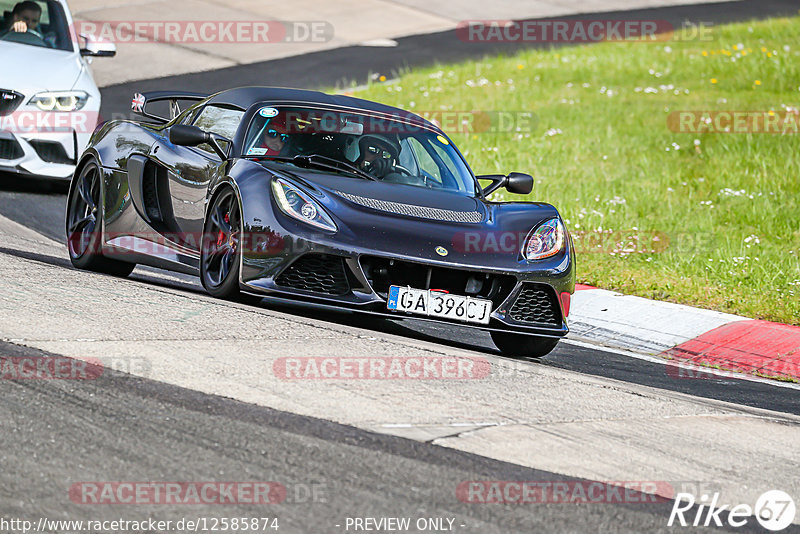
49,102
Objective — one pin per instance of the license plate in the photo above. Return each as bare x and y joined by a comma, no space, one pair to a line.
439,304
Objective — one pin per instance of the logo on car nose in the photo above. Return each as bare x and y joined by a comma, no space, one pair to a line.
441,251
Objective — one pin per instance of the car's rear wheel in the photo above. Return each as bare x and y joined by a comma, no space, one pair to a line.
221,248
523,345
84,225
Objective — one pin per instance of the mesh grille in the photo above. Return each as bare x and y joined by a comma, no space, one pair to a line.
320,273
10,149
536,304
411,210
9,101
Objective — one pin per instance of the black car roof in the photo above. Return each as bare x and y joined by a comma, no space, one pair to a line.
244,97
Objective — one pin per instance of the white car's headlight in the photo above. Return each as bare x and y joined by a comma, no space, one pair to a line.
60,100
301,206
546,240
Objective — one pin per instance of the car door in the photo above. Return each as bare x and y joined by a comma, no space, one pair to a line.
190,169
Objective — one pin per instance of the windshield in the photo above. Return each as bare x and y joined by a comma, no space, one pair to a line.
361,145
35,23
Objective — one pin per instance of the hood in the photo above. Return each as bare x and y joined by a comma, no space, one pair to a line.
30,69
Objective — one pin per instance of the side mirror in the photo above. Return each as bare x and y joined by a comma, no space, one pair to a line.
519,183
516,182
95,47
186,135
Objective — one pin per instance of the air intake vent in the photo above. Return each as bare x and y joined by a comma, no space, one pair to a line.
51,151
412,210
10,149
320,273
536,304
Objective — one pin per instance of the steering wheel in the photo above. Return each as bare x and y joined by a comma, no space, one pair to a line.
28,37
402,170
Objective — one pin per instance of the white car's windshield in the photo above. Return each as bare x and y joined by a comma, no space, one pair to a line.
35,23
390,149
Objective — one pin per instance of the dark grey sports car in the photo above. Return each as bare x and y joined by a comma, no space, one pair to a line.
328,199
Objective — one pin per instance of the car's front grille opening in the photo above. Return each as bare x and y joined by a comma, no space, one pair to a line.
382,273
9,101
51,151
320,273
10,149
536,304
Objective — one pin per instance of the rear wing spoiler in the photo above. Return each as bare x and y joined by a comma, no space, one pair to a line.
141,100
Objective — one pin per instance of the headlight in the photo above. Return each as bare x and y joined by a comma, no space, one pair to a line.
298,204
546,240
60,100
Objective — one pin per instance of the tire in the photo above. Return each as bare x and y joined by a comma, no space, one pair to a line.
84,225
523,345
221,251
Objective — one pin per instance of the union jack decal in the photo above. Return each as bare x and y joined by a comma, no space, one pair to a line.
138,102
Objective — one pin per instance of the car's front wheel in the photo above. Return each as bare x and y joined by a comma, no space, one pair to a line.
84,225
222,247
523,345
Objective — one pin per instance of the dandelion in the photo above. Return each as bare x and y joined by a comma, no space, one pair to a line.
713,80
705,54
382,78
758,82
520,66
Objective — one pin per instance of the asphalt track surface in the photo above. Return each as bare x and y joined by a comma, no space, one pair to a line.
121,425
54,433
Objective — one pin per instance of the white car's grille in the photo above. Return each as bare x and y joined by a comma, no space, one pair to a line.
9,101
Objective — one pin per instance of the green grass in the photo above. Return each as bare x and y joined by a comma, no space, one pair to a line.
726,203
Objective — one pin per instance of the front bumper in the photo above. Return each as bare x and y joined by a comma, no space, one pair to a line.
528,300
51,155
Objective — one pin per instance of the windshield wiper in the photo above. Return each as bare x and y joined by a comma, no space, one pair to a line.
322,161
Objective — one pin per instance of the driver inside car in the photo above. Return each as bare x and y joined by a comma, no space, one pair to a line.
275,139
25,18
377,154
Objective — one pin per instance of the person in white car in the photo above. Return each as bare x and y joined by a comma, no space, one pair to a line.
25,17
